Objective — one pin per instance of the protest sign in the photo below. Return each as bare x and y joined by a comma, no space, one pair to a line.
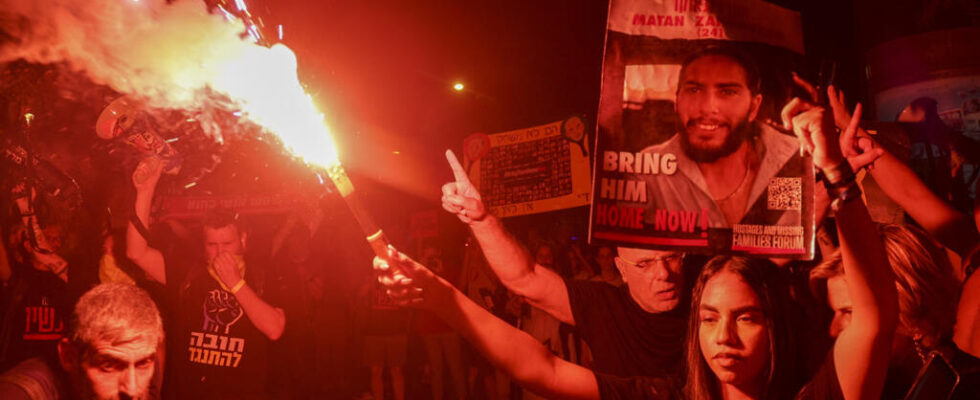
533,170
690,154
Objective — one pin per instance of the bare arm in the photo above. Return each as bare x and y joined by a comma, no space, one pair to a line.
269,320
949,226
150,260
509,260
511,350
966,332
861,352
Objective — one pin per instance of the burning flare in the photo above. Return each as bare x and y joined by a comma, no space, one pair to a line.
170,56
262,81
177,56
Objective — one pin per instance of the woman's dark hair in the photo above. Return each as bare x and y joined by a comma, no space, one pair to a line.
766,281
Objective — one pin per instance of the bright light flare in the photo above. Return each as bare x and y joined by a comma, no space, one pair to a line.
228,16
458,87
264,84
253,31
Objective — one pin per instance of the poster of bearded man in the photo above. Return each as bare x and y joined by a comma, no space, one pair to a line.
689,156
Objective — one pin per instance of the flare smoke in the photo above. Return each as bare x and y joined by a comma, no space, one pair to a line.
163,53
166,55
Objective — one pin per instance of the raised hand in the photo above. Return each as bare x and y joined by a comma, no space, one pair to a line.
147,174
815,129
838,103
461,197
409,283
856,144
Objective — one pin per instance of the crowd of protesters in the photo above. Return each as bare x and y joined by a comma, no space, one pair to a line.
283,307
283,316
882,313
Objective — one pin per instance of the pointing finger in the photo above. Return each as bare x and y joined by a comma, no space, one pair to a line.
458,172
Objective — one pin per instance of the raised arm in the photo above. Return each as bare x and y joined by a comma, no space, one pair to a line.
949,226
966,332
509,260
511,350
862,351
150,260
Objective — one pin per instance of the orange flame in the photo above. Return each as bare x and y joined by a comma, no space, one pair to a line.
263,82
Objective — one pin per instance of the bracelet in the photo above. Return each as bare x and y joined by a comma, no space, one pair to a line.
238,286
838,187
851,192
838,175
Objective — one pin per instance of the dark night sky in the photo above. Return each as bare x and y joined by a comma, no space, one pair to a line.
383,72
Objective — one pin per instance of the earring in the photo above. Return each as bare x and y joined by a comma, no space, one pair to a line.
917,342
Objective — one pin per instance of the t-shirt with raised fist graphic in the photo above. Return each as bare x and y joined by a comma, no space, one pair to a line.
217,352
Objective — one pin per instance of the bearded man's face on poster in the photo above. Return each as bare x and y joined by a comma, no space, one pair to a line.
716,108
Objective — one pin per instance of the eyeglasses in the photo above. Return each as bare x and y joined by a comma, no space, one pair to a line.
672,259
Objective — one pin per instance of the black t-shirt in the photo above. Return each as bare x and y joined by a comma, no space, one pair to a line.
626,340
637,388
38,308
216,351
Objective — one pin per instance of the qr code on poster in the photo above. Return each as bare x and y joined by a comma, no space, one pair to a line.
785,193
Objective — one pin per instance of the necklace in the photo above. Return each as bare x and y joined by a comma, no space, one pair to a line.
745,177
919,349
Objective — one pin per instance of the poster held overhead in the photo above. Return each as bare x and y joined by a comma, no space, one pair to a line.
532,170
687,154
